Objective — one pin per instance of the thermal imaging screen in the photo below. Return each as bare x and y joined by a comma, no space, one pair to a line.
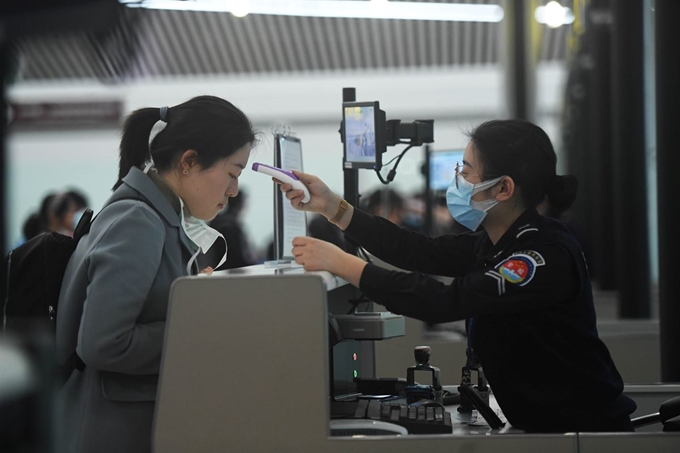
360,144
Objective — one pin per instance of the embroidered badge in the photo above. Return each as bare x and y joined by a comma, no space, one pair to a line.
520,267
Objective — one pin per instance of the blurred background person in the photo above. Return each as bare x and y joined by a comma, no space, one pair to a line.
406,212
58,212
229,222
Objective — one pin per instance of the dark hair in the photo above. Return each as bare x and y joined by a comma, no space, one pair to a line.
381,197
209,125
79,198
53,204
523,151
43,219
62,203
38,222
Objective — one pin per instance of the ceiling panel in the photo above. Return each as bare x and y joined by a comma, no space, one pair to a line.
156,43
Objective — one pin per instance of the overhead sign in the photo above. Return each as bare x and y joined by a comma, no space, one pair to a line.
66,114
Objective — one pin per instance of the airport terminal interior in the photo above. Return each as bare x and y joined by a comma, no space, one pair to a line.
377,98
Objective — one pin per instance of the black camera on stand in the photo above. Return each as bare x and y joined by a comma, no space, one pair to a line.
366,134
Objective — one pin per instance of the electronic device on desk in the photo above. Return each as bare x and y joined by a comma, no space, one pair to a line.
477,397
365,427
416,407
348,383
469,392
466,405
353,329
371,325
429,418
414,391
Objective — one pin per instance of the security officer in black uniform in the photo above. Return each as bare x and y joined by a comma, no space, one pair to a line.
520,280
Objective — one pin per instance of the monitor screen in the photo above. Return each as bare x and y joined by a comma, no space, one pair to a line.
361,145
442,168
288,222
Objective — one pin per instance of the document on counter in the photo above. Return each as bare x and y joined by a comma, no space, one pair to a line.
294,221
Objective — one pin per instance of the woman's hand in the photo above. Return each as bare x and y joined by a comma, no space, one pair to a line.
207,271
322,201
318,255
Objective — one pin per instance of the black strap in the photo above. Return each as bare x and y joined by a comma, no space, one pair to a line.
83,226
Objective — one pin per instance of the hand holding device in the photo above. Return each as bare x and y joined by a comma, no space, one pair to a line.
284,176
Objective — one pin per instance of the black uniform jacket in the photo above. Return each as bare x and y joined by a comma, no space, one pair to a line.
532,317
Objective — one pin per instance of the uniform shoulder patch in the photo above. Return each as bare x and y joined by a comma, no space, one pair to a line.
519,268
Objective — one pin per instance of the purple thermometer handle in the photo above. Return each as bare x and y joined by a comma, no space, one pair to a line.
286,172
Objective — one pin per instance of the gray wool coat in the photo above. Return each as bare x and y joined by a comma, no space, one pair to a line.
112,311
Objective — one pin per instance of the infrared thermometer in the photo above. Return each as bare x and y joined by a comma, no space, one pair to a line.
284,176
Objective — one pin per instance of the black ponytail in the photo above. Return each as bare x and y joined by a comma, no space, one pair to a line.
134,144
211,126
562,192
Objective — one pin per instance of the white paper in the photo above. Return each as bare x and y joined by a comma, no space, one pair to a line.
294,221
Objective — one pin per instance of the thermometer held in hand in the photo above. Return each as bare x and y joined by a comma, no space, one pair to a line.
284,176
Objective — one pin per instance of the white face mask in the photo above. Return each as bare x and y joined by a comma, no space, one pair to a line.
200,234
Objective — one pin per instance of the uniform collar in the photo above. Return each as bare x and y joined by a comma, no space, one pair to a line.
526,222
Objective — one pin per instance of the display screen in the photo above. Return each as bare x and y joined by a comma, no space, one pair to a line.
442,168
360,134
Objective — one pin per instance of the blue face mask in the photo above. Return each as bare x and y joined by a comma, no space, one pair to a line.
462,207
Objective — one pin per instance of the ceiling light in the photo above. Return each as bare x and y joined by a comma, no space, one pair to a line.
554,15
380,9
239,8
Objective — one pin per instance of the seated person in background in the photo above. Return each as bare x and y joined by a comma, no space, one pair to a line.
389,204
521,281
37,222
386,203
114,297
80,202
59,212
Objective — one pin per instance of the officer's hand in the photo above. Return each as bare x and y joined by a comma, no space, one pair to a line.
322,199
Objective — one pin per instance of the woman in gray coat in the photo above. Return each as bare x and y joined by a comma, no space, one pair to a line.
114,297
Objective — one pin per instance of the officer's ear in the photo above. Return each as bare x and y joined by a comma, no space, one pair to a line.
505,189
